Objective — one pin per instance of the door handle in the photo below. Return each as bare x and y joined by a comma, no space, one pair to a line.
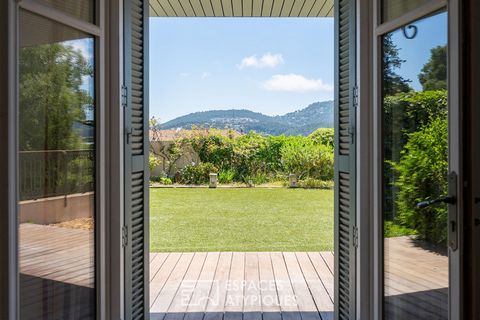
427,203
451,200
452,211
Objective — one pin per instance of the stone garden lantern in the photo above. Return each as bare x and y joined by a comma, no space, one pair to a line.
292,179
213,180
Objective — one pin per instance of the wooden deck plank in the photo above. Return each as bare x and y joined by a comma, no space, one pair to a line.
161,277
182,298
268,288
198,304
157,263
316,286
328,257
234,299
163,300
306,304
286,295
218,293
323,271
252,308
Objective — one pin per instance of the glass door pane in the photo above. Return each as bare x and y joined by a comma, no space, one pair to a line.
415,165
56,169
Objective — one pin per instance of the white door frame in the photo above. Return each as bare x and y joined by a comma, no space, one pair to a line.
455,145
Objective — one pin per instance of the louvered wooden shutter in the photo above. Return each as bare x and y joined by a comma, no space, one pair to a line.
345,164
135,92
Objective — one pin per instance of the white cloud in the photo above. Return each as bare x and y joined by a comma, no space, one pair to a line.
268,60
184,74
295,83
205,75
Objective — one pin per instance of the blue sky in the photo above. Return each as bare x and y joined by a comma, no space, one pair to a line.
273,66
432,32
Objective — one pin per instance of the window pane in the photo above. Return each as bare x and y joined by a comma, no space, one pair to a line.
392,9
81,9
415,154
56,169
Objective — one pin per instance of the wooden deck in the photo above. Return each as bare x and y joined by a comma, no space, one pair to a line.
56,273
241,285
57,262
416,280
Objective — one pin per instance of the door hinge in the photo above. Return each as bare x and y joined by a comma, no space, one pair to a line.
124,236
355,96
128,134
355,237
124,96
351,132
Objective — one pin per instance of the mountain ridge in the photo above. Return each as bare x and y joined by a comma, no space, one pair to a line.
300,122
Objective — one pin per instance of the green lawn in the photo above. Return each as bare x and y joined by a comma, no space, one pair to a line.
240,219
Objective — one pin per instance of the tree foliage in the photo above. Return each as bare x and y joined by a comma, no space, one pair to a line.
405,113
434,72
51,96
323,136
415,151
422,174
308,159
392,82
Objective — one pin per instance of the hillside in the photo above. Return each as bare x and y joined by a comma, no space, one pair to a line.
300,122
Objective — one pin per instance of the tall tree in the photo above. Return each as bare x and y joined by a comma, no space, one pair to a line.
392,82
434,72
52,97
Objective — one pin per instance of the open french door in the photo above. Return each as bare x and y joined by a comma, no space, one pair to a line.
419,161
136,148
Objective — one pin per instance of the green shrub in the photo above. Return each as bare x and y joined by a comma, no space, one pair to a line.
213,148
308,159
255,179
247,151
391,229
407,112
226,176
256,157
310,183
161,180
197,173
323,136
422,174
153,161
166,181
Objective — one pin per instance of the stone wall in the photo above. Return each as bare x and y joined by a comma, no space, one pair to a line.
160,148
57,209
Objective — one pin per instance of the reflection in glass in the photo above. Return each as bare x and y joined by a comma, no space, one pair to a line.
392,9
415,151
56,169
81,9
